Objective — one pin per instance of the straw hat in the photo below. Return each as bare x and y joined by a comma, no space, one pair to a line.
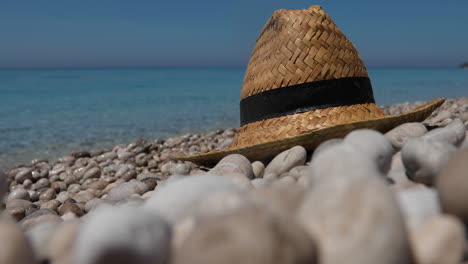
305,83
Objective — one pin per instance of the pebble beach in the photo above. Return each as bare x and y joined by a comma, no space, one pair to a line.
398,197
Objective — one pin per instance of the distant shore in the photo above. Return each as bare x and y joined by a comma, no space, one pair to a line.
221,138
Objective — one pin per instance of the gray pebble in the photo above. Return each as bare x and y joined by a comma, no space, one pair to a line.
94,172
181,169
234,163
18,193
453,133
373,144
23,174
106,156
125,190
287,160
401,133
123,235
424,158
258,169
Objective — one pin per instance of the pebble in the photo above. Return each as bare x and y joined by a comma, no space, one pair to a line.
47,195
52,205
373,144
258,169
247,235
439,240
94,172
327,143
397,171
401,133
452,185
84,196
38,217
181,169
17,213
123,235
424,158
418,205
287,160
61,243
355,220
15,247
125,190
39,237
42,183
23,174
18,194
106,156
453,133
69,207
178,199
233,163
341,160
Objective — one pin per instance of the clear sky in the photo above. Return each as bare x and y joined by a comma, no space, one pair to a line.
96,33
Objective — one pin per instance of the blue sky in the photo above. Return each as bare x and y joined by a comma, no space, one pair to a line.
65,33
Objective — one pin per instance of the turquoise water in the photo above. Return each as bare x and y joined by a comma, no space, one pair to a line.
48,113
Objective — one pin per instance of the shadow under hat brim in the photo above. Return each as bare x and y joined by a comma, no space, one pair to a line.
312,139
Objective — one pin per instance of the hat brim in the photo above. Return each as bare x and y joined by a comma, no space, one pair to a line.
312,139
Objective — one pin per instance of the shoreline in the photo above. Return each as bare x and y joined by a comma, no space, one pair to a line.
452,108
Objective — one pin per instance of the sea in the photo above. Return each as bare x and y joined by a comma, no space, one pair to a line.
47,113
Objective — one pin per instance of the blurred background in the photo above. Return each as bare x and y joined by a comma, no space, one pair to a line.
85,75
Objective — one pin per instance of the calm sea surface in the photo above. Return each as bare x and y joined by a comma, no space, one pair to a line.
48,113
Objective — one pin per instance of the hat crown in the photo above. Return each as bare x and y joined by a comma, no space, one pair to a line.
300,46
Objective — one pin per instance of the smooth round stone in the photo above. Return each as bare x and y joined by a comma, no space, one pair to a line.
401,133
27,184
234,163
439,240
373,144
61,243
94,203
125,190
98,185
94,172
23,174
452,185
343,161
150,182
397,171
181,169
259,182
287,160
106,156
62,196
52,205
298,171
178,199
39,236
123,235
424,158
15,247
240,180
441,116
125,155
418,205
42,183
18,194
258,169
59,186
84,196
355,220
247,235
47,195
74,188
464,144
38,217
70,208
25,204
305,181
286,197
324,145
222,202
33,196
453,133
17,213
270,176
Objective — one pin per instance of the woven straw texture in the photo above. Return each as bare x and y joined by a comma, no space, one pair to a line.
298,124
295,47
299,46
313,138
